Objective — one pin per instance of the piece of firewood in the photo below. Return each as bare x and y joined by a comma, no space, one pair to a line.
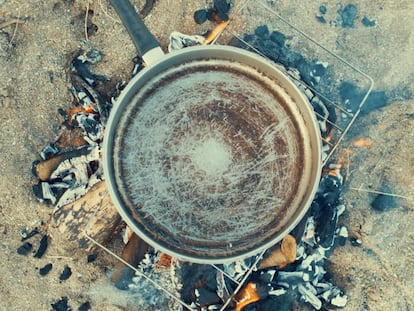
133,252
72,219
44,169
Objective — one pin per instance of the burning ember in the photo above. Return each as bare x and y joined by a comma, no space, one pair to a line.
292,271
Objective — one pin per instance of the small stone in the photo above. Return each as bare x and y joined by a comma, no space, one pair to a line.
46,269
200,16
66,273
24,249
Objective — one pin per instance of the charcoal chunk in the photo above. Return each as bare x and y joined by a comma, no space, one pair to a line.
42,247
368,22
206,297
200,16
91,258
66,273
353,95
24,249
222,8
262,32
383,202
27,235
321,19
61,305
348,15
86,306
323,9
46,269
278,38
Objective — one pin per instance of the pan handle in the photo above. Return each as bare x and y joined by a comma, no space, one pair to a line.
146,44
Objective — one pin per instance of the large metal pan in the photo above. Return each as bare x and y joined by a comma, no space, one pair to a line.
211,154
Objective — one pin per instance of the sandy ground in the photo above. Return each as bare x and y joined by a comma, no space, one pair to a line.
33,54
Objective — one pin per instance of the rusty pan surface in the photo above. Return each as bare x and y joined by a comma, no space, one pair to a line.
212,154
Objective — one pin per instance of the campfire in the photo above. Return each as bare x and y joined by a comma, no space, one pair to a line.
70,175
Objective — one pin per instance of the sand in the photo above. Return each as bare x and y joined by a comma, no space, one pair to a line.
33,57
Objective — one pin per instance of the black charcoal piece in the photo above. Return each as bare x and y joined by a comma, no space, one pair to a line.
200,16
91,258
78,65
61,305
248,37
368,22
37,190
86,306
27,235
222,6
206,297
42,247
210,15
320,19
355,242
375,100
24,249
323,9
46,269
352,96
384,202
262,32
348,15
278,38
66,273
319,69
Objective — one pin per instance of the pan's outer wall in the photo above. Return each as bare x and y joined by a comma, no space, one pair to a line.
312,147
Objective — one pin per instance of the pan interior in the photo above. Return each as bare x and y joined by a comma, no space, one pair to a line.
209,158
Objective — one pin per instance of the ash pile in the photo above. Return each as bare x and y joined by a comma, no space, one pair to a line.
71,165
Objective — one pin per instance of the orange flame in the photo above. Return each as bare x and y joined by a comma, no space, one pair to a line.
71,112
247,296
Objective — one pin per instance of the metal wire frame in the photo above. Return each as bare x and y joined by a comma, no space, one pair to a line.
331,144
342,129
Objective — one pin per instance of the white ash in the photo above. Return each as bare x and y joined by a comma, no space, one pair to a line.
179,41
148,296
75,173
